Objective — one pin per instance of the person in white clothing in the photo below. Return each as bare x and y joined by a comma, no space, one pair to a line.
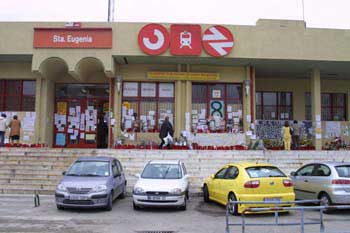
3,126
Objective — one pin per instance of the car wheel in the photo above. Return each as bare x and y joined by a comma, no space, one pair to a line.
136,207
109,205
123,194
233,208
325,201
184,205
206,193
59,207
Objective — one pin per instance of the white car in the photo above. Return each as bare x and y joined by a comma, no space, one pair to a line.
162,183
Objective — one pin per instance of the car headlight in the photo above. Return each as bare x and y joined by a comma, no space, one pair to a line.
176,191
99,188
61,188
138,190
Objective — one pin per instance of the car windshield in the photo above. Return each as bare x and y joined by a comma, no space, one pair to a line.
264,171
162,171
343,171
89,168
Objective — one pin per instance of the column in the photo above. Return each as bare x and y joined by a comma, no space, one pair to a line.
111,136
188,102
178,109
248,100
37,108
117,115
316,107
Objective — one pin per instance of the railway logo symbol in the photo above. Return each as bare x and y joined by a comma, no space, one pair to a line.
218,41
153,39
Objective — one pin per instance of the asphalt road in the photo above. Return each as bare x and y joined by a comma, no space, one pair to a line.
18,214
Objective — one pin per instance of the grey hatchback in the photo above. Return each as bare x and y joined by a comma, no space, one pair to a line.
91,182
328,181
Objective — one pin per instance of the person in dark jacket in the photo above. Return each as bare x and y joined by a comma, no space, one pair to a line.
164,130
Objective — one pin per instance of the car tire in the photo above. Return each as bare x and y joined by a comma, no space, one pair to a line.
109,205
136,207
59,207
326,201
123,194
184,205
232,209
206,193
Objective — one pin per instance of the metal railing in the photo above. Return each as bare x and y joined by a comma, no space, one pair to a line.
276,209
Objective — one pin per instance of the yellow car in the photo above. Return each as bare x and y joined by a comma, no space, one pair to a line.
247,181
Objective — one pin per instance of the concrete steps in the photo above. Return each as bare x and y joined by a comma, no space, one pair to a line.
24,171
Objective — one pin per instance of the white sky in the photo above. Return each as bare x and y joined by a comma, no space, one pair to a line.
318,13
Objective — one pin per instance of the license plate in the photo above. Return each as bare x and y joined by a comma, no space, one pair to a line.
274,199
156,198
77,197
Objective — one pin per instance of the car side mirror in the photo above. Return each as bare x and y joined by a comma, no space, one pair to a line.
212,176
293,173
116,175
137,175
187,176
64,173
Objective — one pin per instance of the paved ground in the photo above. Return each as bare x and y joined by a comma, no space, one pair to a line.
17,214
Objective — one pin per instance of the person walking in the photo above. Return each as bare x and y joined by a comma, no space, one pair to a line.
3,127
287,136
164,130
15,131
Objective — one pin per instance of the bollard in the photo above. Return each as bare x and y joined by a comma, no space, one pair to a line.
36,200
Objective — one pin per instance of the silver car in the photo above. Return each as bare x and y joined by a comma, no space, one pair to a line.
91,182
328,182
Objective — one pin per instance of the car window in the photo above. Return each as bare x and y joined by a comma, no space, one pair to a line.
264,171
321,170
221,174
231,173
115,169
305,171
120,167
162,171
343,171
89,168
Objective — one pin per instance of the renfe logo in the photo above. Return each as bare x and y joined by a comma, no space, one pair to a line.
185,40
153,39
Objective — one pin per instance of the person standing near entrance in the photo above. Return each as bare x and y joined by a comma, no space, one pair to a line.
15,131
3,127
164,130
287,136
296,135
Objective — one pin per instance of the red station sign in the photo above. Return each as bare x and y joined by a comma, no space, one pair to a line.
153,39
185,39
217,41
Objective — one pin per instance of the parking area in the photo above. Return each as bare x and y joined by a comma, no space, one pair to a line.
18,214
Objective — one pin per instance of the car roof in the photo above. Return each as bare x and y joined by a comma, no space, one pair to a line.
95,158
164,161
250,164
332,163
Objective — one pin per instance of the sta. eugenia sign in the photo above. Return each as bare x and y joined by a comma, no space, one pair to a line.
185,40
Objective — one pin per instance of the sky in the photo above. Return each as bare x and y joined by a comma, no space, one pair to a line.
318,13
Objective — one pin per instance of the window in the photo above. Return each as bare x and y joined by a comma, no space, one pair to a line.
221,174
17,95
333,106
232,173
321,170
274,105
305,171
151,102
217,107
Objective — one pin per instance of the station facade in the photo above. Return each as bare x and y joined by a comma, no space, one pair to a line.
85,85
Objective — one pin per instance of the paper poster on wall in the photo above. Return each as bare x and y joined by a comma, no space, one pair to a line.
130,89
166,90
60,139
217,108
62,108
216,94
148,90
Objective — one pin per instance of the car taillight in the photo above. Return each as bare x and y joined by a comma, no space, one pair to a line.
288,183
340,181
252,184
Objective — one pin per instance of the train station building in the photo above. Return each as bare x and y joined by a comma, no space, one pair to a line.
95,85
